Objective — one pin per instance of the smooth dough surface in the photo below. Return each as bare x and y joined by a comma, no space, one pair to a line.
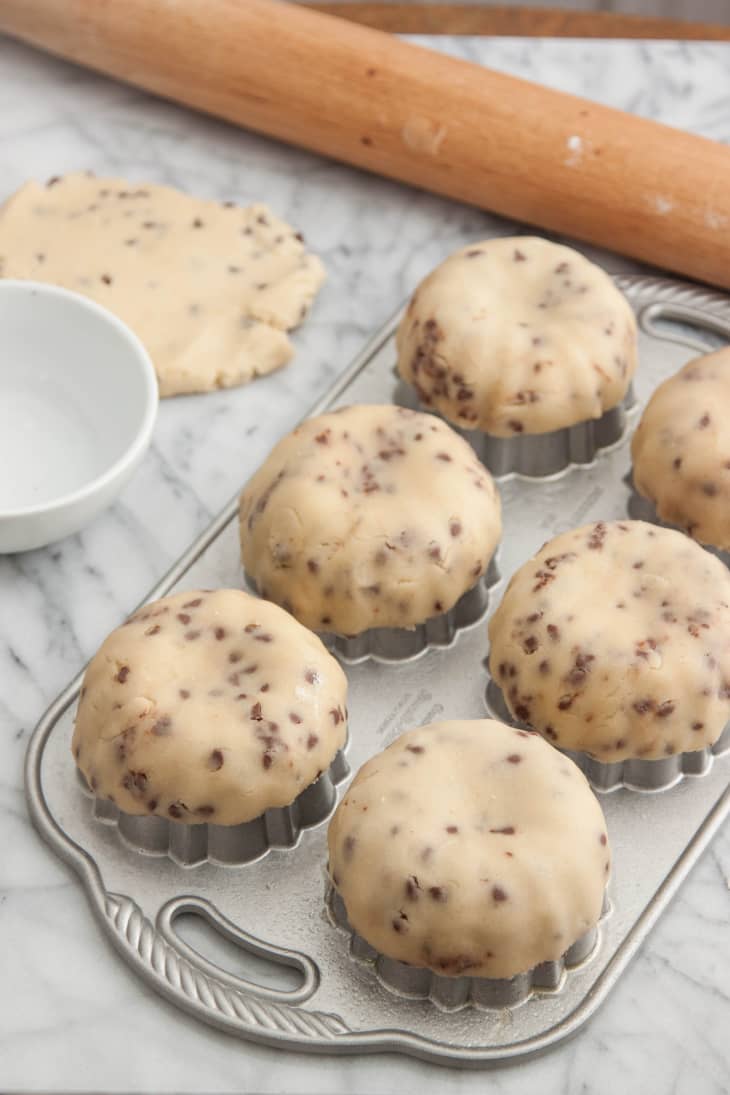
518,335
615,640
681,449
470,848
209,706
209,287
371,516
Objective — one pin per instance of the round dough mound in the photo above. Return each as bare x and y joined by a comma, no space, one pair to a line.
209,706
681,449
371,516
470,848
615,640
514,336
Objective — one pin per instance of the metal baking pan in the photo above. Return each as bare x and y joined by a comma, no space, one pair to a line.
636,773
395,644
229,845
536,456
452,993
274,909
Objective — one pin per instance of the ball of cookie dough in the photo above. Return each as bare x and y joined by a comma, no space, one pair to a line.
371,516
514,336
470,848
614,640
209,707
681,449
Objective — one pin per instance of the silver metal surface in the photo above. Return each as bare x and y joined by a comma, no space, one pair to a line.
275,907
453,993
536,456
397,644
230,845
636,773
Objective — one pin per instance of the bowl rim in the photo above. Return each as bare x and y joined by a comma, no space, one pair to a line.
143,434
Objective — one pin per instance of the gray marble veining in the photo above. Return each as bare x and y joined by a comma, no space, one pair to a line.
71,1015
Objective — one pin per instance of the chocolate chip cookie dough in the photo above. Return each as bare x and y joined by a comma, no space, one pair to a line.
518,336
681,449
210,287
470,848
371,516
614,640
209,707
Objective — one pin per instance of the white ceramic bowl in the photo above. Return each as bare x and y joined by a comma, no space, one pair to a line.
78,400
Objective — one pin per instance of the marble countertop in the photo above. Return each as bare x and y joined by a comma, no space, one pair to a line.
72,1016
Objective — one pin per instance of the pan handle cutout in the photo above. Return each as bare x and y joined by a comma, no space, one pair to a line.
223,951
684,325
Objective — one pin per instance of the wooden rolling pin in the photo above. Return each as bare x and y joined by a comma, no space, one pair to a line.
362,96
